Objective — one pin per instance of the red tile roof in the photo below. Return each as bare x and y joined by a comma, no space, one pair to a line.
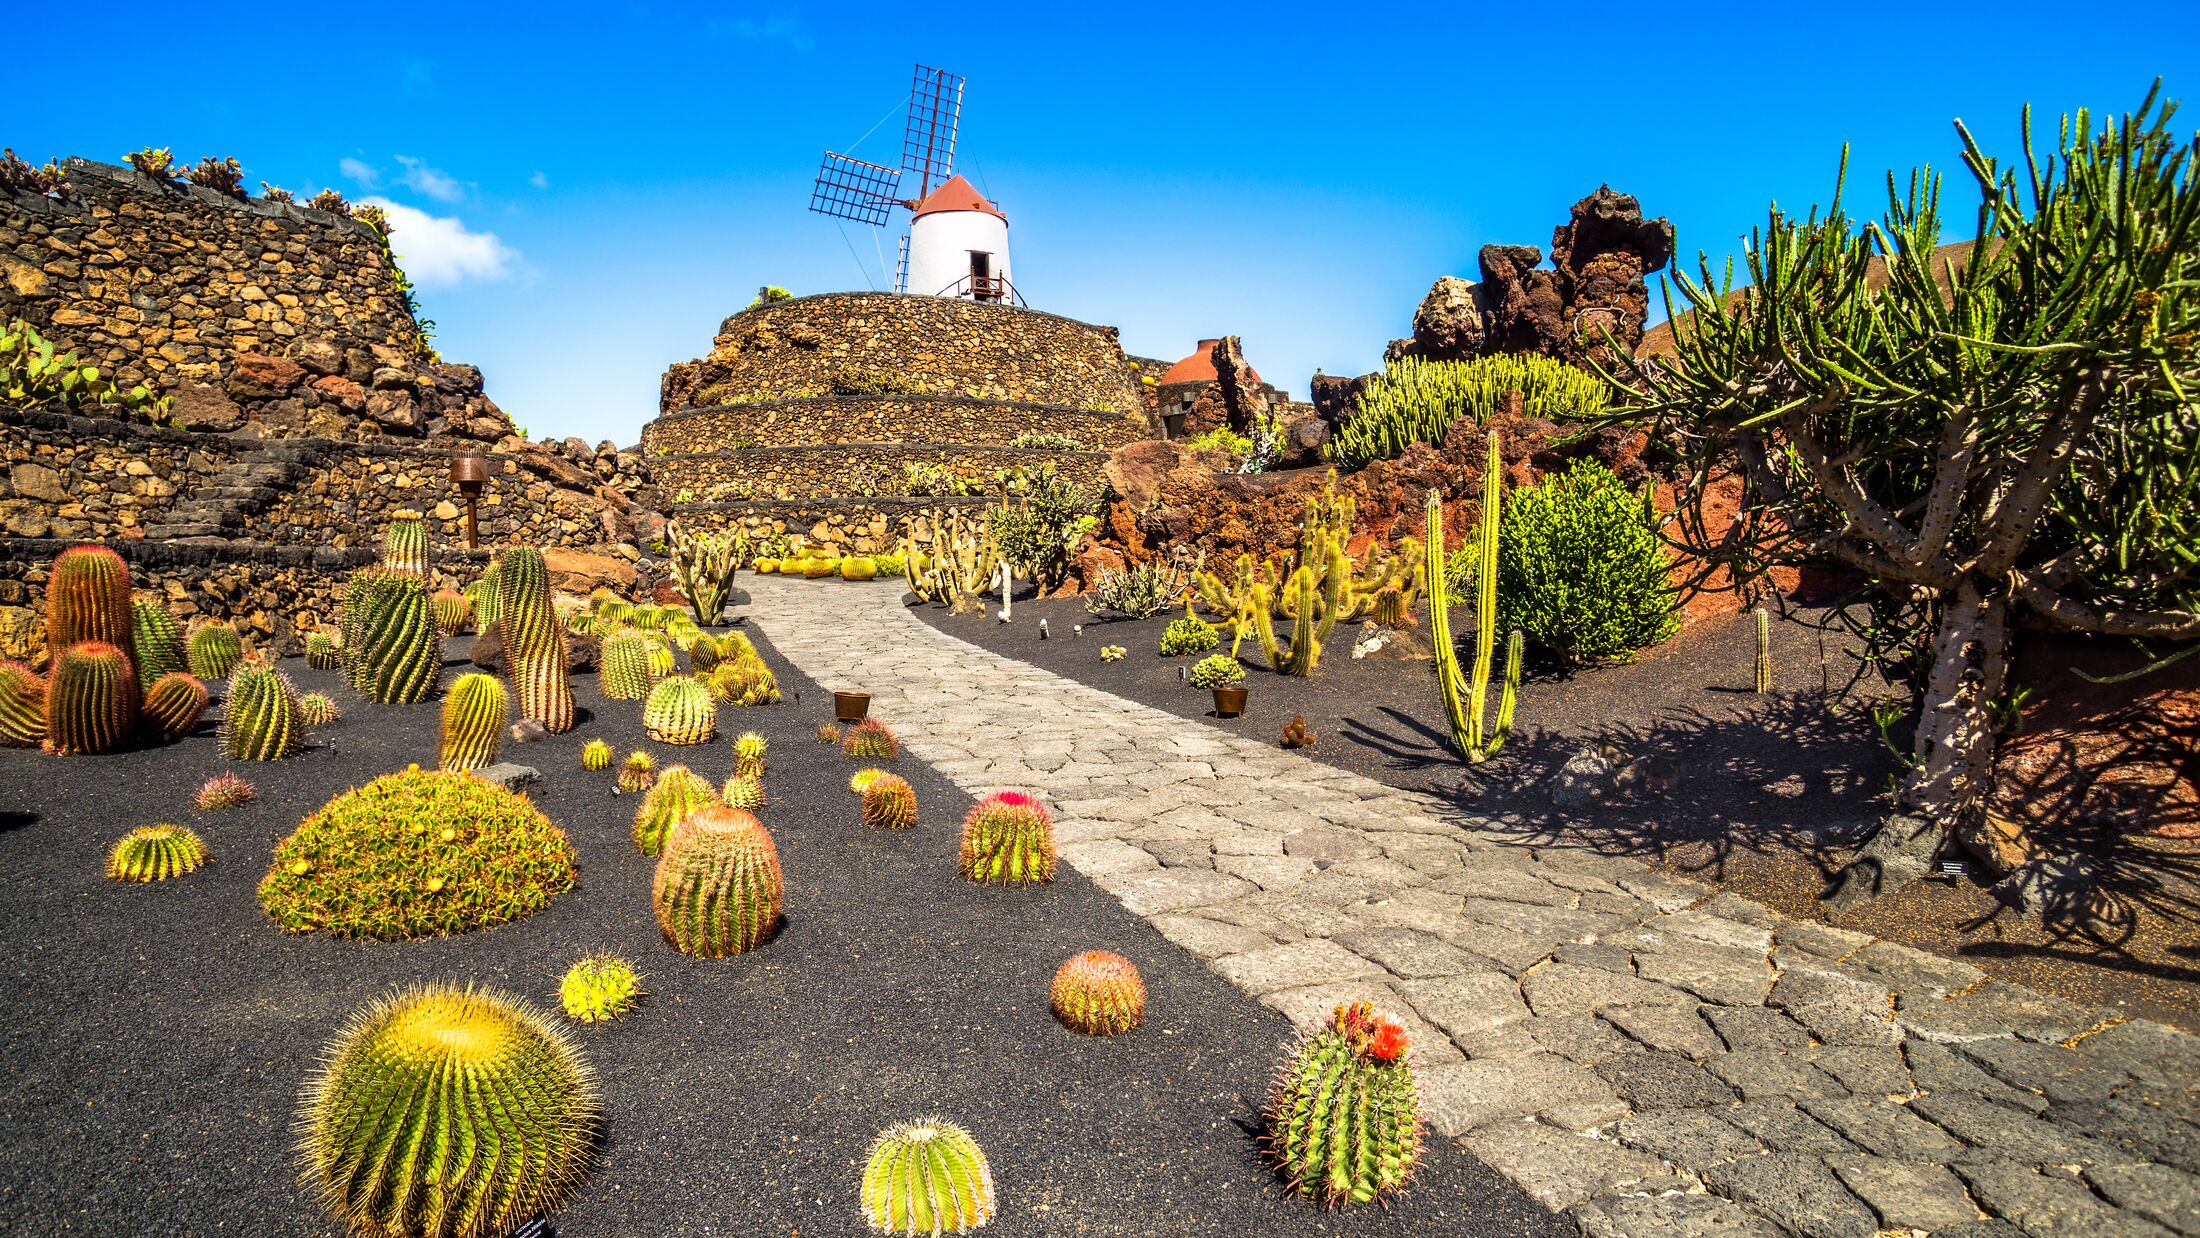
957,195
1199,367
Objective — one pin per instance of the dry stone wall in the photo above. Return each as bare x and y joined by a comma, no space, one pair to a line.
881,419
843,526
877,470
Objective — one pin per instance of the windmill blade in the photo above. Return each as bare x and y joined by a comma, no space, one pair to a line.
849,188
928,140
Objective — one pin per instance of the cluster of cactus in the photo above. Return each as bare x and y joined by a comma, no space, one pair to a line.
1344,1120
1296,734
22,706
317,709
679,711
156,641
156,853
1098,993
88,599
596,755
261,722
448,1113
1008,839
928,1178
174,704
453,611
610,605
222,792
405,545
717,888
1763,681
637,773
1113,653
599,988
889,803
748,754
91,699
1416,401
534,645
679,792
708,651
743,791
389,646
871,740
622,669
650,617
1467,732
473,723
660,660
703,565
744,682
963,561
213,650
1392,608
828,733
321,650
1219,670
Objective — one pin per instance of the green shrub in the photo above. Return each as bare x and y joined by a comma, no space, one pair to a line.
1415,401
1186,636
1580,566
927,480
1047,440
770,293
1044,518
1223,438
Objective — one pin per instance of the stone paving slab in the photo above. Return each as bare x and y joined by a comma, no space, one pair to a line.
1645,1053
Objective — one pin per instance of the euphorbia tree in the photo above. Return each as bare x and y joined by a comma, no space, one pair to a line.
2008,437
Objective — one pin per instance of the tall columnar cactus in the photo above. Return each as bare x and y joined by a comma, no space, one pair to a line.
174,703
453,610
1467,733
448,1113
679,792
717,889
889,803
91,699
679,712
1008,839
1344,1120
213,650
398,655
703,564
473,722
1764,651
622,669
22,706
534,643
963,561
483,593
156,640
321,652
927,1177
261,722
87,599
1099,993
156,853
405,544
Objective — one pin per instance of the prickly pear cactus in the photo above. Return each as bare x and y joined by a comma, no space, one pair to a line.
889,803
1344,1123
1099,993
1008,839
174,703
679,712
927,1177
717,889
261,722
91,699
473,723
679,792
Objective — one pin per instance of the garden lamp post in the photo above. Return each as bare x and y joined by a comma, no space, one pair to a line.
470,472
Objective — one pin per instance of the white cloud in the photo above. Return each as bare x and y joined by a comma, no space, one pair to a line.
361,171
433,182
776,28
439,250
540,180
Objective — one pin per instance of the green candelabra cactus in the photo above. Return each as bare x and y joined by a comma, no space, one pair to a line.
156,641
1467,733
473,723
534,641
679,792
261,721
174,704
91,699
1344,1121
717,888
22,706
88,599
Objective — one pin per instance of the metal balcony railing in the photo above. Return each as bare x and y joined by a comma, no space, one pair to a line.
993,289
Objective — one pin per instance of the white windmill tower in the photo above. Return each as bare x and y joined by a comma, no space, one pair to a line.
957,243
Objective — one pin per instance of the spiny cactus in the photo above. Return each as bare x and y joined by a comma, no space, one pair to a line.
261,722
91,699
155,853
213,650
22,706
858,567
679,791
717,888
889,803
703,565
405,544
483,594
1465,714
391,651
473,722
453,611
87,599
622,672
658,656
744,681
748,754
442,1112
598,988
1764,651
1099,993
679,712
174,703
637,773
321,652
871,740
534,644
1390,607
1008,839
861,780
223,791
928,1177
596,755
743,791
827,733
156,640
650,617
1344,1120
317,709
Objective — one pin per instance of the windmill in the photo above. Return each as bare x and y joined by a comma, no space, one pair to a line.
957,242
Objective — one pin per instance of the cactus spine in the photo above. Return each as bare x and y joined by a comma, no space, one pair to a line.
717,889
156,641
598,988
1764,651
91,699
679,712
156,853
534,641
927,1177
321,652
1098,993
174,703
22,706
743,791
1344,1119
679,791
448,1113
214,650
483,594
1466,725
396,656
473,722
1008,839
405,545
703,564
315,709
871,740
623,671
453,611
88,599
889,803
261,722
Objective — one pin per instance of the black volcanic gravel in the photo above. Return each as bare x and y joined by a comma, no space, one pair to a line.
156,1037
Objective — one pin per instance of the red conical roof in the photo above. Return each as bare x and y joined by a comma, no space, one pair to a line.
957,195
1199,367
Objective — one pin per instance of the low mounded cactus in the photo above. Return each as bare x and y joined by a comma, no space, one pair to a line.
1008,839
22,706
927,1177
679,792
174,703
717,889
453,611
473,723
317,709
859,781
1188,635
1099,993
596,755
213,650
858,567
889,803
1390,607
261,722
871,740
599,988
827,733
744,682
637,773
622,669
156,640
748,754
743,791
321,653
223,791
91,699
448,1113
88,599
1344,1120
155,853
679,712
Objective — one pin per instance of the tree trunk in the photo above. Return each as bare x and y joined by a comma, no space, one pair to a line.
1953,752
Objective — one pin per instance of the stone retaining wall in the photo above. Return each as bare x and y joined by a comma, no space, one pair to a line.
859,469
880,419
95,478
355,487
842,526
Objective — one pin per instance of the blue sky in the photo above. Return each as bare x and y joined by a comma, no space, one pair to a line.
598,186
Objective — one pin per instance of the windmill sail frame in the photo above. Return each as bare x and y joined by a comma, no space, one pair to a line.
850,188
928,139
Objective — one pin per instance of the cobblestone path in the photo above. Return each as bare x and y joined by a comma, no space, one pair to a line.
1647,1054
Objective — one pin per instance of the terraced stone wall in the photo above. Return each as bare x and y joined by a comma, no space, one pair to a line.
871,470
861,526
95,478
880,419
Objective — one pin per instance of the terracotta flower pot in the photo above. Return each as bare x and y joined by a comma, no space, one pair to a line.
1229,702
851,706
